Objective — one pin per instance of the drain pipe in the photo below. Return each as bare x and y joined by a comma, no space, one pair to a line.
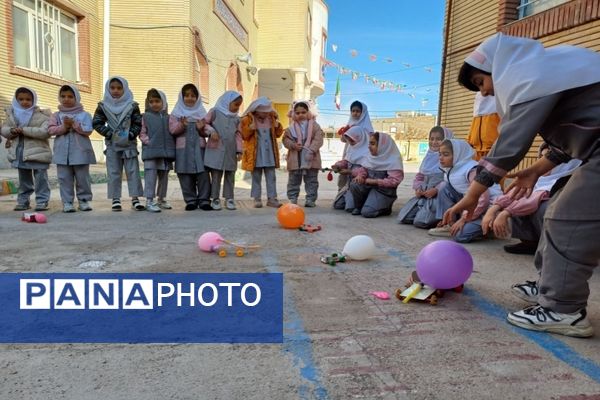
106,43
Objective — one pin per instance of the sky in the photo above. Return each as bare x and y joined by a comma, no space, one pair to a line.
406,38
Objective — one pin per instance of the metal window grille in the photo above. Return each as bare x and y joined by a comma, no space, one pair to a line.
530,7
45,39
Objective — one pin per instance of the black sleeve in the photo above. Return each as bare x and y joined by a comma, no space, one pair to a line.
99,123
136,121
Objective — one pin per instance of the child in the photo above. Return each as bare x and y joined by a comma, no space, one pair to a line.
224,147
118,119
554,92
374,187
26,128
73,151
456,158
186,123
355,135
158,150
303,139
484,127
260,130
420,210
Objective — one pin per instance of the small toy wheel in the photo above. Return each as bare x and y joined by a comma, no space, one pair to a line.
222,253
433,300
239,252
342,259
399,294
334,255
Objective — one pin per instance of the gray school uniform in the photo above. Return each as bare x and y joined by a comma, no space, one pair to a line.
73,154
529,227
420,211
568,251
158,154
265,163
33,177
343,199
222,159
448,197
189,166
373,200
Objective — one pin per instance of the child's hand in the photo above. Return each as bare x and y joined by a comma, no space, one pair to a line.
501,226
252,126
360,180
214,136
431,193
335,168
370,181
238,156
457,226
68,122
487,222
419,192
200,125
345,172
184,121
298,147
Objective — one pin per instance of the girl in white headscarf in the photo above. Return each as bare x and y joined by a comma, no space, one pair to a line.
355,135
187,124
71,127
26,128
224,148
554,92
119,120
374,187
303,139
420,211
260,128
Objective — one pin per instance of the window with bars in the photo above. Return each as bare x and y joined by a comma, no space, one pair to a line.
45,39
530,7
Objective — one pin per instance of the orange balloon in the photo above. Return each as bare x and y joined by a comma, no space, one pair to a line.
290,216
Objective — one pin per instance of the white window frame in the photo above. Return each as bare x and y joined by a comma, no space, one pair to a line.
49,14
538,6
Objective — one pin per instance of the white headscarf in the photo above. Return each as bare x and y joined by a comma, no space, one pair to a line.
197,111
261,104
359,152
363,122
225,100
431,161
484,105
462,164
163,97
523,70
117,106
388,156
547,181
23,115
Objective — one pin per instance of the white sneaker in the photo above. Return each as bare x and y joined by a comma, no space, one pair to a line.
84,206
165,205
216,204
230,204
527,291
538,318
152,207
68,208
443,231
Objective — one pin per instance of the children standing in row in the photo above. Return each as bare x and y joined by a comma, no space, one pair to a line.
26,128
73,152
303,139
119,120
187,125
260,129
158,150
224,148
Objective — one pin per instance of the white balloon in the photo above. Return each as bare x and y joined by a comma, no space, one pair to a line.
359,247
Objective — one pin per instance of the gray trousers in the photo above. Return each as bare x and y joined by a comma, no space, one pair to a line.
31,180
448,197
568,251
311,183
74,175
228,178
114,167
529,227
195,188
370,200
256,191
151,177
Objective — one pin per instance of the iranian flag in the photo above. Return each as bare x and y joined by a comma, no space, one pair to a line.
338,94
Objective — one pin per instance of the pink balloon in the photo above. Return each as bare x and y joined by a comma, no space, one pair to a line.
444,264
209,241
40,218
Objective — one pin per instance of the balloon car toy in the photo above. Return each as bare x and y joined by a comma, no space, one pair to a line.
418,291
333,259
310,228
239,249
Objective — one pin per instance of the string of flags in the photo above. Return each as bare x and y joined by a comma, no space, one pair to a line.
374,57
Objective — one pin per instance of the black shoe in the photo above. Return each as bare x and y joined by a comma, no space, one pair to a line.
205,206
521,248
190,207
356,211
387,211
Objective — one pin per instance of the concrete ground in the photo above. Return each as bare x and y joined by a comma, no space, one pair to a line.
340,342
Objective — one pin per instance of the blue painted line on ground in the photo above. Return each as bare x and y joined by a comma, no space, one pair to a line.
546,341
296,341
